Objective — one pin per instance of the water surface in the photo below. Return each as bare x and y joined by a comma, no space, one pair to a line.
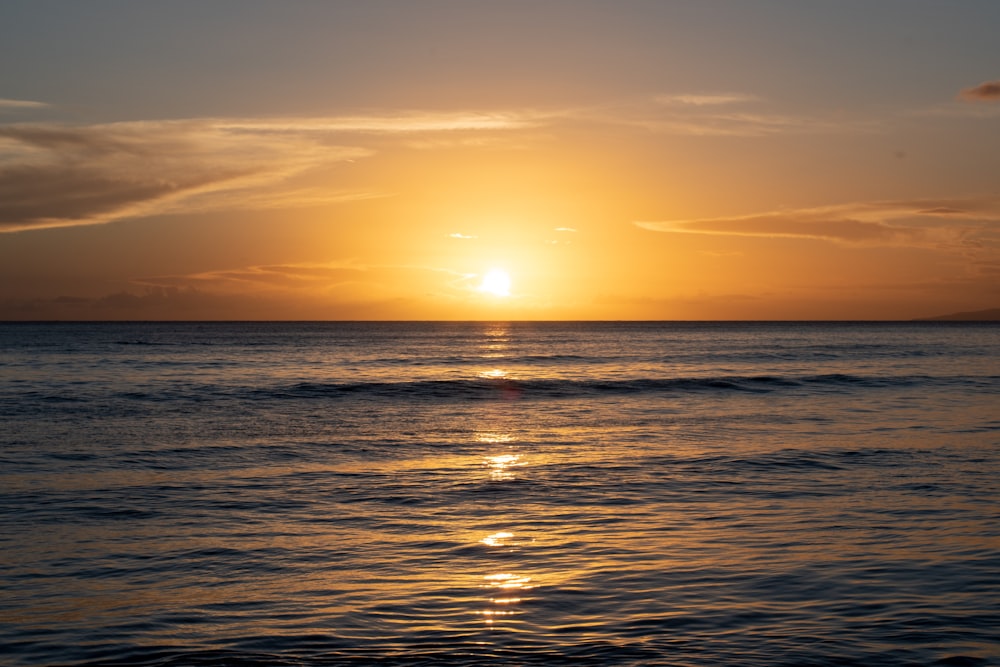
525,493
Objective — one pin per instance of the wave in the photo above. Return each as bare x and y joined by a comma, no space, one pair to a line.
564,646
68,398
506,388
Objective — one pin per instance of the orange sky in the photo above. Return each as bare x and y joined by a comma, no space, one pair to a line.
634,160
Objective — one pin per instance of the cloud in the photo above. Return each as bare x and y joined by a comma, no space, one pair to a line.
21,104
310,276
54,175
260,198
939,224
184,303
988,91
59,175
716,116
404,122
700,100
751,125
565,229
456,235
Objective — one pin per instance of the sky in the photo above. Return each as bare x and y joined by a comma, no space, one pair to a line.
499,160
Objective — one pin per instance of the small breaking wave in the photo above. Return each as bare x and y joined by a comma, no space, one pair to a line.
485,388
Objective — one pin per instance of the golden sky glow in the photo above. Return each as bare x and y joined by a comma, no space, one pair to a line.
615,160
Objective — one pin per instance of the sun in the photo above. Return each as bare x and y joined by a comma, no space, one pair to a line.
496,282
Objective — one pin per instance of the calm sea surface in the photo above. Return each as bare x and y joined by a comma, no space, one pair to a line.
298,494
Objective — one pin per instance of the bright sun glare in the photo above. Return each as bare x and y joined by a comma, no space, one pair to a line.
496,282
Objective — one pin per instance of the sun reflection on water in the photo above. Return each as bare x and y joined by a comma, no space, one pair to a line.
506,589
504,538
501,466
506,580
493,437
496,339
507,584
506,386
490,613
497,539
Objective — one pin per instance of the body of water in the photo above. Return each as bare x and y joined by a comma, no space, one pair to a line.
487,493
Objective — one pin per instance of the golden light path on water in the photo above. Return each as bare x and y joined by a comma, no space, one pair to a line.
505,588
510,569
496,340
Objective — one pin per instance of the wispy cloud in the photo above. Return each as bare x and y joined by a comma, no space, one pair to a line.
54,175
403,122
457,235
706,99
296,291
331,283
60,175
717,115
942,224
734,124
988,91
253,278
21,104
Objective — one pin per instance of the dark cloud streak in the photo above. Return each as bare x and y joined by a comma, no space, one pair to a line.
946,225
988,91
60,175
49,196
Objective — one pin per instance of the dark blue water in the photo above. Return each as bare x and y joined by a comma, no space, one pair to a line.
513,494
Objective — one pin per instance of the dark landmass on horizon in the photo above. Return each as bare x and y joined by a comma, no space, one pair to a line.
988,315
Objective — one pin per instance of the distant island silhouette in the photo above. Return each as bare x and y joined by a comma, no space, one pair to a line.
988,315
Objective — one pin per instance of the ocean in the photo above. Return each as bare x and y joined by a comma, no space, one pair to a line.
633,493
